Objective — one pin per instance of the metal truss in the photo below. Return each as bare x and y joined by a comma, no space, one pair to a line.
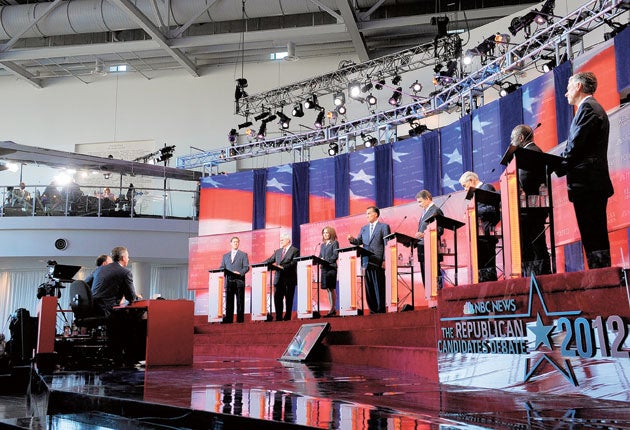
388,66
548,40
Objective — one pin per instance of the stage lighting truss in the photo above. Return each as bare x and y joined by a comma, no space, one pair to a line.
561,34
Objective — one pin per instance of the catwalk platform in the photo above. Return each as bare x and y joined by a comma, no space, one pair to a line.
385,371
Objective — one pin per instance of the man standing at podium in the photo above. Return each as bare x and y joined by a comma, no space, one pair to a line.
285,279
586,166
535,257
489,216
425,200
236,263
372,237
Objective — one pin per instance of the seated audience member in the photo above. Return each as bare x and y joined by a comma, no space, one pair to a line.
20,196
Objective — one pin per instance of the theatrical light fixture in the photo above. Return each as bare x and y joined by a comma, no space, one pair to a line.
367,87
354,90
508,88
415,128
442,23
166,153
333,149
394,100
245,124
368,140
332,117
262,131
261,115
379,85
311,103
549,65
341,110
297,111
319,121
546,12
339,99
520,23
284,120
240,92
445,77
371,100
396,80
416,87
232,136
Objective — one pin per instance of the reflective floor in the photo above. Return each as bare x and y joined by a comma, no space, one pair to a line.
334,396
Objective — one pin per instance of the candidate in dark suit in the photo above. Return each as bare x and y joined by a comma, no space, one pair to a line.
236,263
114,281
534,255
329,251
101,260
372,237
285,278
425,200
488,216
586,165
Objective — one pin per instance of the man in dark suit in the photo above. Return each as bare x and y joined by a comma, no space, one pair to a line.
425,200
372,237
236,263
101,261
285,278
489,216
586,166
114,282
535,257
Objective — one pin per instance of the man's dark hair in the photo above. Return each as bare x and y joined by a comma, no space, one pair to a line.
424,194
101,259
375,209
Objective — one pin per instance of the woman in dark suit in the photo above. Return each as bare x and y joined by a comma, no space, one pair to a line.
329,252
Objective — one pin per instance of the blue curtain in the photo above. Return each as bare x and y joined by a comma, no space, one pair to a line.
564,111
465,124
432,162
511,113
623,61
384,179
342,185
260,197
299,200
573,257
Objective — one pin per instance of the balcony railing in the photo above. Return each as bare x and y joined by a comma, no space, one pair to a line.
93,201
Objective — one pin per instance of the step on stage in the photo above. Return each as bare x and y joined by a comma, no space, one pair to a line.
528,353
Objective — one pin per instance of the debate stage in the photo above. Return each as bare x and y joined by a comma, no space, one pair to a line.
547,352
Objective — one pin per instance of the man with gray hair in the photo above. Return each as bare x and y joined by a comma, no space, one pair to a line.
586,166
285,277
114,281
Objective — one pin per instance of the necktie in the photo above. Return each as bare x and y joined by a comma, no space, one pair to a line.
371,229
284,251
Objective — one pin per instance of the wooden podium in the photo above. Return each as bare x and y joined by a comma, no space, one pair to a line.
517,206
433,255
216,294
262,291
477,237
397,267
305,285
348,269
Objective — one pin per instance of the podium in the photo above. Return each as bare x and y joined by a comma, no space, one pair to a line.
396,268
216,294
348,268
518,207
262,291
433,254
305,285
481,243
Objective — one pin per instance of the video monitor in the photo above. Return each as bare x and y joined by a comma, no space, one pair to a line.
304,341
64,273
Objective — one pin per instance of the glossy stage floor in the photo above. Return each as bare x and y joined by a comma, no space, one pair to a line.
265,393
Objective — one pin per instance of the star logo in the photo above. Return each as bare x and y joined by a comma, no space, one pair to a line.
528,101
478,125
361,176
274,183
396,156
453,157
542,332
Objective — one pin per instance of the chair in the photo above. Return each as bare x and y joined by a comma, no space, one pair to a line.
83,307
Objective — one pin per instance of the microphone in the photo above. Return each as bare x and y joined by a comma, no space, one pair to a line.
445,200
317,245
531,133
400,223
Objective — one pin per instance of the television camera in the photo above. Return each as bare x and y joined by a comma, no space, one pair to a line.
58,274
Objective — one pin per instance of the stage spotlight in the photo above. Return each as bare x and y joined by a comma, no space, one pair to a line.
245,124
371,100
416,129
379,85
270,118
166,153
332,117
341,110
240,92
297,111
319,121
416,87
396,80
354,90
520,23
394,100
501,38
311,103
339,99
368,140
508,88
442,23
548,66
261,116
367,87
284,120
546,12
333,149
262,131
232,136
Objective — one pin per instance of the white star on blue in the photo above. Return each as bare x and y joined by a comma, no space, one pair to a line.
454,157
528,102
396,156
447,182
274,183
369,156
211,182
478,125
362,176
286,168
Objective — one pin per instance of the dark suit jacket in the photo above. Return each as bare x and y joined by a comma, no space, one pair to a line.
288,274
424,220
586,154
532,179
375,244
489,215
240,265
112,283
330,253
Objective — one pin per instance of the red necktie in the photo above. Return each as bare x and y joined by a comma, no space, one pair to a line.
284,251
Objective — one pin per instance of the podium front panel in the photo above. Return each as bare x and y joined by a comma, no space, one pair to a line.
260,280
510,203
305,289
431,266
46,324
391,275
347,274
216,284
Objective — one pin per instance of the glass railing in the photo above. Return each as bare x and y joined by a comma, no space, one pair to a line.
94,201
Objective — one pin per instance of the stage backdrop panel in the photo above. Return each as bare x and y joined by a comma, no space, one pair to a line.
321,202
452,162
279,192
226,203
407,159
539,107
363,180
601,61
486,137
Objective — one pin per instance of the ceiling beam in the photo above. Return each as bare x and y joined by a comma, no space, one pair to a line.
327,9
155,34
21,73
351,24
